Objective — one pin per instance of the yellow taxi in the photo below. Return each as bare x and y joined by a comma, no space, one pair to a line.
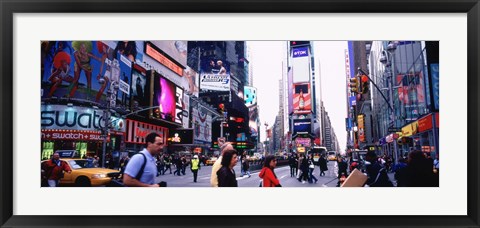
332,156
81,176
211,161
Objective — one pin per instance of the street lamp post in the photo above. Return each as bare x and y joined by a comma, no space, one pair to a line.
111,102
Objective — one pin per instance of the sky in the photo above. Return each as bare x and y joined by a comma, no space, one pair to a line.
266,60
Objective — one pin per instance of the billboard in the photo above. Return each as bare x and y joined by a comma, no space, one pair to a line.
361,128
302,126
411,93
140,89
302,99
175,49
202,123
156,54
349,74
435,84
181,136
300,52
250,96
300,65
85,69
215,82
303,142
165,98
137,132
190,81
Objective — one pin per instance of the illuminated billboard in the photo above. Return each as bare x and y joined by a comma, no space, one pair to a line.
202,123
180,136
302,126
250,96
165,98
302,99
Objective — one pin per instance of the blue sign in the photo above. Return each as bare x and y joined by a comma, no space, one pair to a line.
300,52
348,124
435,84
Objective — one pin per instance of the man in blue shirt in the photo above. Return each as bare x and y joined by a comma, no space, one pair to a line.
154,145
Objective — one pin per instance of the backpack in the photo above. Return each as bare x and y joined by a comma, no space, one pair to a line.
119,182
382,179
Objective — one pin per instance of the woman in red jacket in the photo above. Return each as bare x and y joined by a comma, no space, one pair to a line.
267,173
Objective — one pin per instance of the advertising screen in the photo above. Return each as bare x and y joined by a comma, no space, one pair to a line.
180,136
250,96
302,99
179,104
165,98
302,126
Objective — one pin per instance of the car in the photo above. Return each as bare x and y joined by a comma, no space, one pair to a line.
332,156
211,161
81,176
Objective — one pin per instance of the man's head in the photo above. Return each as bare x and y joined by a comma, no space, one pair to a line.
56,156
154,143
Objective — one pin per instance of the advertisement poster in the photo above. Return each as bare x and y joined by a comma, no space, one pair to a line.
202,123
180,136
300,65
140,89
302,99
215,75
85,69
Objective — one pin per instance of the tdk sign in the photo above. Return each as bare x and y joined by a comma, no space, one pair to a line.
300,52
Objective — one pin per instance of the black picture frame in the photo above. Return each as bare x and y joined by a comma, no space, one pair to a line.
10,7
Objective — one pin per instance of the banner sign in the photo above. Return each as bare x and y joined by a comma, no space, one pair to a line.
216,82
75,135
137,131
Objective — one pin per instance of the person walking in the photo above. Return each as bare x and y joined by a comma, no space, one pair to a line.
144,159
168,164
293,163
53,169
342,169
184,164
178,166
194,167
311,167
303,169
322,162
245,167
269,178
226,174
160,165
218,163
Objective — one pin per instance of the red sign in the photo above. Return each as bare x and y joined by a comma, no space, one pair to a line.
437,119
137,131
75,135
425,123
150,51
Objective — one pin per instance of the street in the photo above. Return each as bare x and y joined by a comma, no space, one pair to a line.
283,174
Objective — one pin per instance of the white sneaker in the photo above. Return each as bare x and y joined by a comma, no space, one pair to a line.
303,182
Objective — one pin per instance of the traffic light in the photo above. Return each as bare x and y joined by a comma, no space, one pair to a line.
354,85
364,83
